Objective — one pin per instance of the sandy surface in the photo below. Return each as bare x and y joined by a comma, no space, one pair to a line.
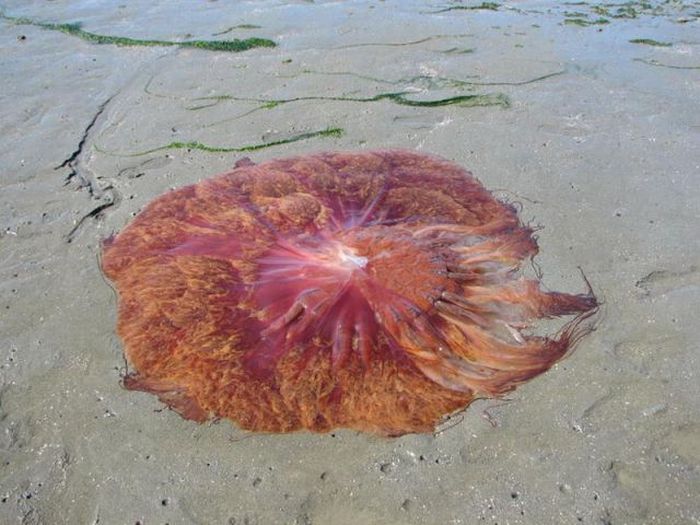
603,152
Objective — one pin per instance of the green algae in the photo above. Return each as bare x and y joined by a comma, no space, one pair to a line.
458,51
661,64
430,82
402,44
634,9
650,42
328,132
483,6
239,26
75,29
584,22
576,22
465,101
601,10
397,97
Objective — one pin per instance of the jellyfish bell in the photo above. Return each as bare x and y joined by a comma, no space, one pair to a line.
380,291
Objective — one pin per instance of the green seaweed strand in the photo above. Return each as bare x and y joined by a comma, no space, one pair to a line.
328,132
465,101
650,42
660,64
585,23
239,26
74,29
438,81
488,6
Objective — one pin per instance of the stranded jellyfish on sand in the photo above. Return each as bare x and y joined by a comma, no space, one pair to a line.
378,291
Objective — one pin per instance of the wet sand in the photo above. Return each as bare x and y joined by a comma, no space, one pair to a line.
595,136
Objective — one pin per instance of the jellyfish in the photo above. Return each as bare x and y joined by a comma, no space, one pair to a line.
380,291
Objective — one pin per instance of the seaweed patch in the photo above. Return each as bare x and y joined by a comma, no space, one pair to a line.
483,6
487,99
75,29
650,42
584,22
328,132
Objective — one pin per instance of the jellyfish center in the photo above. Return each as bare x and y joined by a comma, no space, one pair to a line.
348,257
333,255
339,289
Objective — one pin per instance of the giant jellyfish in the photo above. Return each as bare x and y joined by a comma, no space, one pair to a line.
379,291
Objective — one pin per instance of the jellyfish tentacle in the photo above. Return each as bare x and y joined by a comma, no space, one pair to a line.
307,301
486,273
462,232
294,311
529,355
488,298
432,350
365,337
459,312
170,393
514,332
424,343
508,249
285,331
455,374
524,299
350,325
342,344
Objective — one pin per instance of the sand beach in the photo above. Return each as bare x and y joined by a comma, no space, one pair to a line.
584,114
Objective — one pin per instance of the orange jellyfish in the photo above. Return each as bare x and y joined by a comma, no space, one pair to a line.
379,291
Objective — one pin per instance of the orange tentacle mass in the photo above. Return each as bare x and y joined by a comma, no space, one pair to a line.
378,291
